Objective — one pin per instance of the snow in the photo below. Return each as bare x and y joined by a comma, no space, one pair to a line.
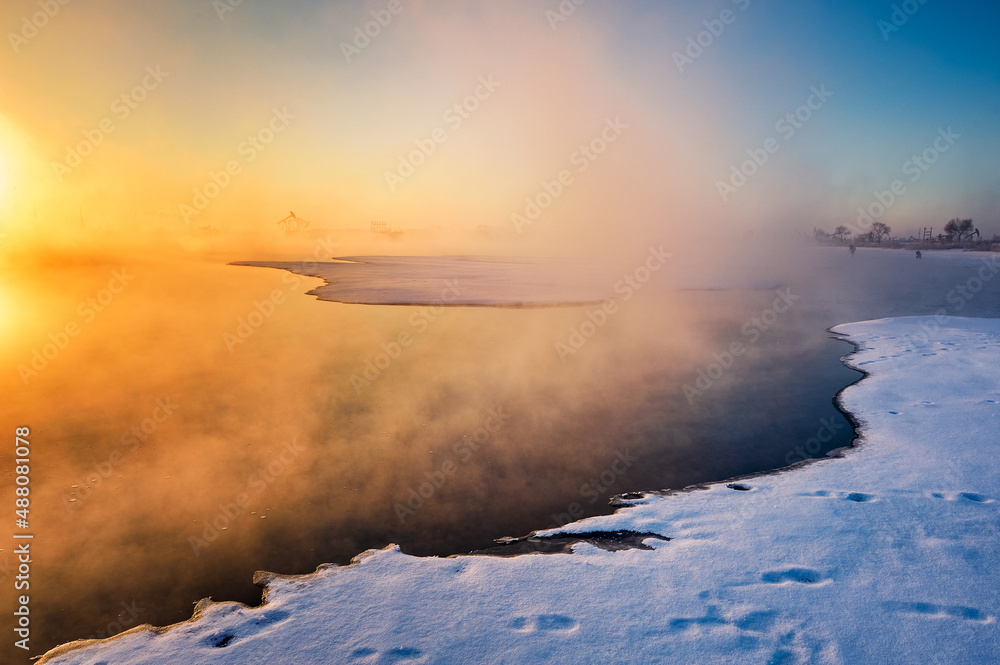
885,554
452,280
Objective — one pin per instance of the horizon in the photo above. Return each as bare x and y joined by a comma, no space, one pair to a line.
578,126
580,260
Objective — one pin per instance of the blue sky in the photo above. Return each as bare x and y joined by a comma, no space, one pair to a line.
561,80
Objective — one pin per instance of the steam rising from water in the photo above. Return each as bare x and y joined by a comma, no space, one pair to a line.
314,419
323,428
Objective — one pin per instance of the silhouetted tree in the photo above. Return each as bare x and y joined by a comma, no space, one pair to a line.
880,230
959,228
840,233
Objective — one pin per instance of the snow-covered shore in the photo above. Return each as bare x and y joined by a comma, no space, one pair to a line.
455,280
888,554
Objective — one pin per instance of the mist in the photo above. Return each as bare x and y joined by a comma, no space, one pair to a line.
182,453
196,421
567,148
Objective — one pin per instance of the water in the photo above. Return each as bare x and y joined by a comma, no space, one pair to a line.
173,457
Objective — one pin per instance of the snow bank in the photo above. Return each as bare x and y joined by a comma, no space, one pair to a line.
889,554
452,280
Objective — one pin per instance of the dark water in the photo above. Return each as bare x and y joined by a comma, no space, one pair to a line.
172,457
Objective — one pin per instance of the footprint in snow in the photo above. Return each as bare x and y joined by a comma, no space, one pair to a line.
797,575
791,646
974,497
757,622
941,611
544,623
251,626
711,618
857,497
395,655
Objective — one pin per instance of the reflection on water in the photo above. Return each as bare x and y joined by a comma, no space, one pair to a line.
197,421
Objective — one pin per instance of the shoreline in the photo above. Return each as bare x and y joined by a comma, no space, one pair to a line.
618,502
447,281
390,567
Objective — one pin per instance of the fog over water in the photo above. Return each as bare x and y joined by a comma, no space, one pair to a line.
193,421
174,457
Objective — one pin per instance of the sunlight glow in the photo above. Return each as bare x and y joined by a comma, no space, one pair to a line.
6,186
7,169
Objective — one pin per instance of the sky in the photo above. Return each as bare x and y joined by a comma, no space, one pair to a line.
560,127
313,115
